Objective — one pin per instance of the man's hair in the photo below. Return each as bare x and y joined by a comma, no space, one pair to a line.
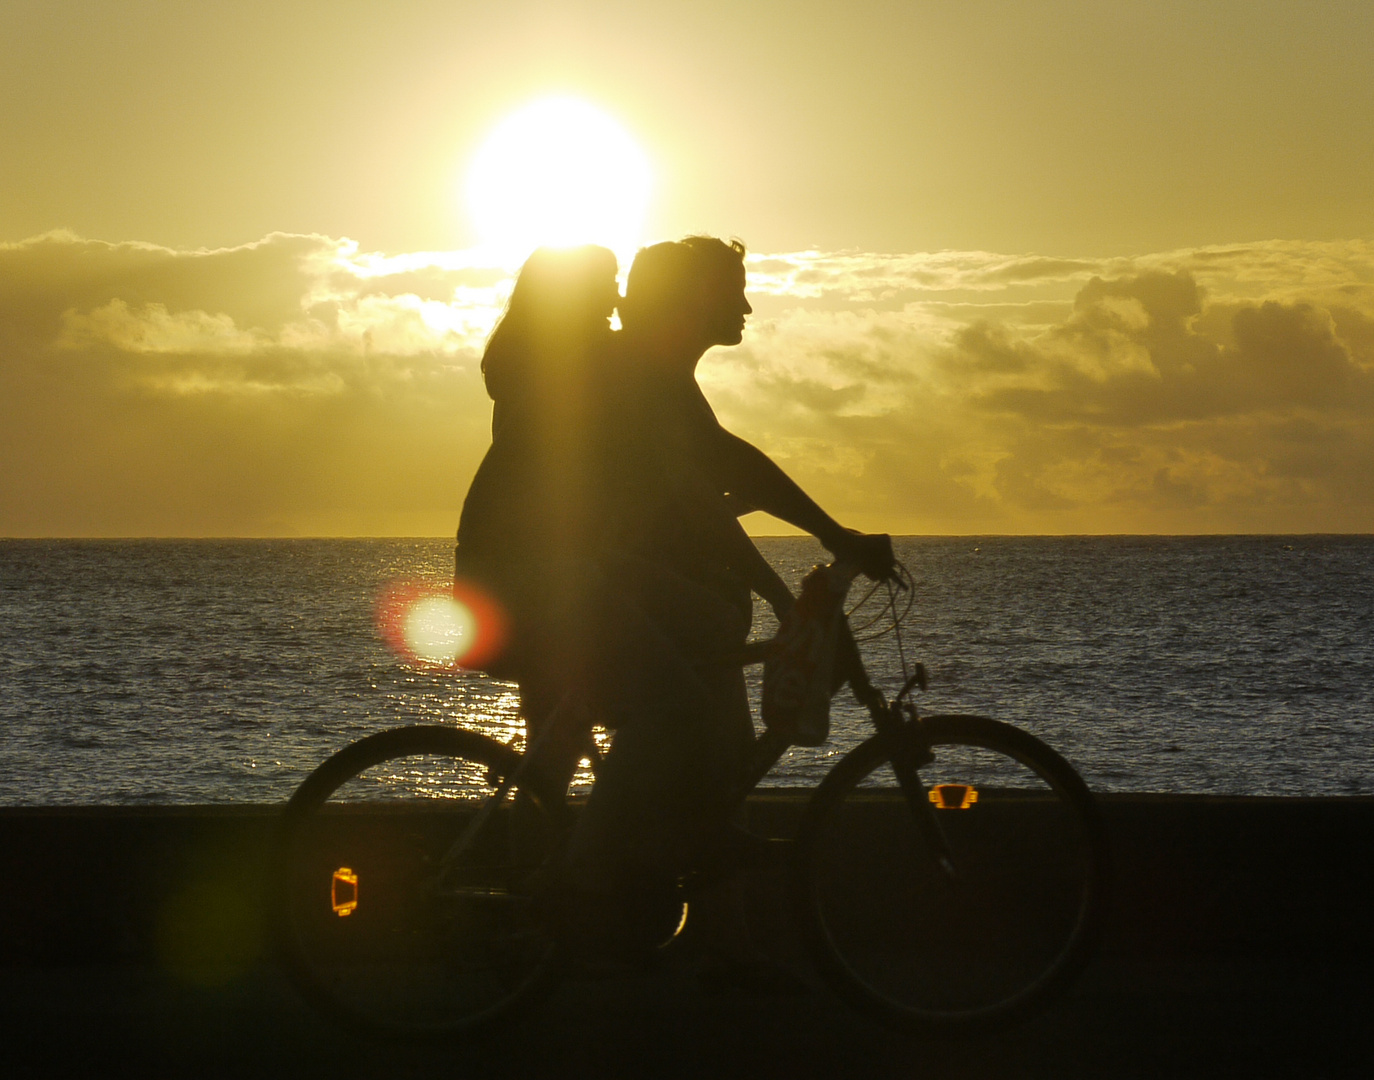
665,277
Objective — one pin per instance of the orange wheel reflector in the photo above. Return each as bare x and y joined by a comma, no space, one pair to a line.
953,796
343,892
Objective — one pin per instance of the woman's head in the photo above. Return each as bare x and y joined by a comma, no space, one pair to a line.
562,301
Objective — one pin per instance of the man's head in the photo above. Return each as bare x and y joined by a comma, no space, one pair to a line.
690,290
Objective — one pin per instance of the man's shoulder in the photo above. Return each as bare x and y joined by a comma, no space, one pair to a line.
674,398
685,413
692,401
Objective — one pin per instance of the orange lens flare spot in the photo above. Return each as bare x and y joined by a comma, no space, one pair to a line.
343,892
441,624
953,796
438,629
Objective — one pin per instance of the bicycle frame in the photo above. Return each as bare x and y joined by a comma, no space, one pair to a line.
502,878
896,721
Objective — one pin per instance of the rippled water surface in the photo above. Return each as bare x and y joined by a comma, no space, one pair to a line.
223,671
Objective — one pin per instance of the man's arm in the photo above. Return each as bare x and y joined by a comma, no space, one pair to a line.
728,537
759,572
752,477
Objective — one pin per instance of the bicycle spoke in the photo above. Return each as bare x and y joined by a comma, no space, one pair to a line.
1012,918
438,929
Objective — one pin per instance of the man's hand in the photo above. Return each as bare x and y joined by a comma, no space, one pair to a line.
872,552
776,594
781,603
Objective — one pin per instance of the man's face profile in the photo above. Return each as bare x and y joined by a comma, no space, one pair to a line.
724,307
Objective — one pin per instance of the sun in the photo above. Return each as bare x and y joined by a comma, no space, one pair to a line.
559,171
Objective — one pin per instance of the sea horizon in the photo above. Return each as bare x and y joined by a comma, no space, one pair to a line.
194,670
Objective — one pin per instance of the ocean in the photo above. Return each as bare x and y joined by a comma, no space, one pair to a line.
223,671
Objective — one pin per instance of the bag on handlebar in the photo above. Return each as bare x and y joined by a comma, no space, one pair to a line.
799,676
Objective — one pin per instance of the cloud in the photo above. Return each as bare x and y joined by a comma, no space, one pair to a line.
1268,268
1130,355
861,276
153,329
1149,402
286,386
296,385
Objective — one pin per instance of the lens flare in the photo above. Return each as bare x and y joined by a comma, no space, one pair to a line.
438,629
441,624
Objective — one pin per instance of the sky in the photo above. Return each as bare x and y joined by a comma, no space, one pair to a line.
1064,267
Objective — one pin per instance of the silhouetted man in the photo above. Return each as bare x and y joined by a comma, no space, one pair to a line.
684,478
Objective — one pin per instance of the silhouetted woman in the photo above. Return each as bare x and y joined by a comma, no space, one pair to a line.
538,366
530,524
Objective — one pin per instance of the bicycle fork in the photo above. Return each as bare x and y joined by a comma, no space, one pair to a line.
910,751
898,723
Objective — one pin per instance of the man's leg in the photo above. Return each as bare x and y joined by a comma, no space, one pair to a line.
680,756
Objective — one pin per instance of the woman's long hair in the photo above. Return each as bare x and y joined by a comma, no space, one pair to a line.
560,305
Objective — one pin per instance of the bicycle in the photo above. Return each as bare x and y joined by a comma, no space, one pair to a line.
958,899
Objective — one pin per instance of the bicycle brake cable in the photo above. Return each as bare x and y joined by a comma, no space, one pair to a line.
897,629
863,631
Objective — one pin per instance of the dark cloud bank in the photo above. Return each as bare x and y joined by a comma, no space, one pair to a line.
292,386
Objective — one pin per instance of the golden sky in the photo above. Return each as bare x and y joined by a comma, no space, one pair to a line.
1053,267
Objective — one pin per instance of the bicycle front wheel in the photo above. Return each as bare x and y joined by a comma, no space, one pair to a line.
403,901
964,902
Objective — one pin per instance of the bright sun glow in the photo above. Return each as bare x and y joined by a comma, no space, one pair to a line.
558,172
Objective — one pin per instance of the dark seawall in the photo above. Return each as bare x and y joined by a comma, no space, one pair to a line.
1194,876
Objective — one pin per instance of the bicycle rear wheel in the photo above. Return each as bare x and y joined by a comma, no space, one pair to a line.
976,939
379,920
